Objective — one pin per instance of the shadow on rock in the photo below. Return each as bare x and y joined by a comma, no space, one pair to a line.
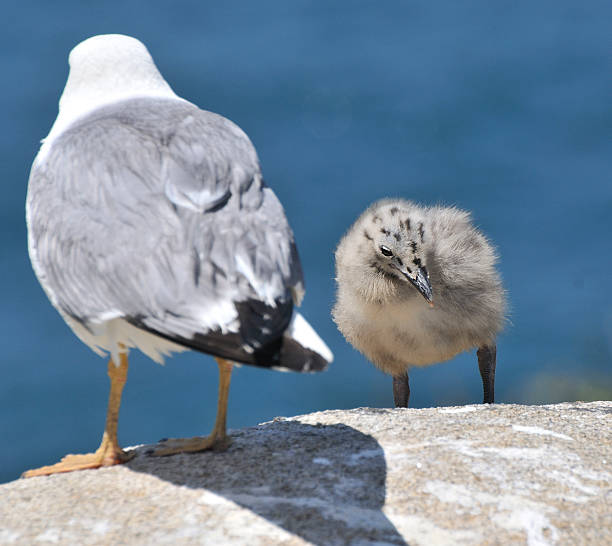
324,483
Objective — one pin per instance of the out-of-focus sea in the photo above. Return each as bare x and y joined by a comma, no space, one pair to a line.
502,108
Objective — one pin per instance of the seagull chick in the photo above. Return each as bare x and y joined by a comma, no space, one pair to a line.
418,285
150,227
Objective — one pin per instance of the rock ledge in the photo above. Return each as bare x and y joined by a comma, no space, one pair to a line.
501,474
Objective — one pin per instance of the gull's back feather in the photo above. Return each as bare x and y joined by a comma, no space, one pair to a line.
170,228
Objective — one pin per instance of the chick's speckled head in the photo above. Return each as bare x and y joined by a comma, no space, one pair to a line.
392,242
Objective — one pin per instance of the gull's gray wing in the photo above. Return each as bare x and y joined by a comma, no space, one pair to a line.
155,211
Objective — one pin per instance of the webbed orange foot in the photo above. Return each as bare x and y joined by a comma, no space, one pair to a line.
109,453
70,463
218,440
192,445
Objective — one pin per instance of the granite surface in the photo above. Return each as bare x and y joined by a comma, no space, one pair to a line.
480,474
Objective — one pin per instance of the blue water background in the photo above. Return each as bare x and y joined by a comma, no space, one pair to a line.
502,108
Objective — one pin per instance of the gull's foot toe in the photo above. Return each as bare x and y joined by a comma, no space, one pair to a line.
71,463
172,446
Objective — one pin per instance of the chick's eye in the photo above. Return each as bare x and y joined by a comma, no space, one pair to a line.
386,250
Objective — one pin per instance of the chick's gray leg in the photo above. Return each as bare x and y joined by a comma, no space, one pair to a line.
486,363
401,390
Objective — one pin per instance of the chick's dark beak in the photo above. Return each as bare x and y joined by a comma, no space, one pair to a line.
422,284
419,280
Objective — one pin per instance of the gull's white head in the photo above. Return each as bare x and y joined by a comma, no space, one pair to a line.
105,69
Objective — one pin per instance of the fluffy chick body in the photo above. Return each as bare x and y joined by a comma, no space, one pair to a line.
385,317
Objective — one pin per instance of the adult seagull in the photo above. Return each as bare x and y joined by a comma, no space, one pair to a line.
150,227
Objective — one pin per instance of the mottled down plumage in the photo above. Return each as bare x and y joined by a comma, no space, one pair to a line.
382,312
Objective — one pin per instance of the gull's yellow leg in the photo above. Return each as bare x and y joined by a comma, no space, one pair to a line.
109,452
218,438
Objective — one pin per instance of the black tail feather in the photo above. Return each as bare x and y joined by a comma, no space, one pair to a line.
260,342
